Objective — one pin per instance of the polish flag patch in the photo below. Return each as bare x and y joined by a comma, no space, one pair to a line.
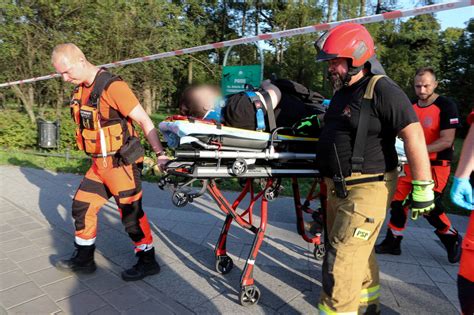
453,121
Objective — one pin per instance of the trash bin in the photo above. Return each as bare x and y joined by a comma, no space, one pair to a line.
48,134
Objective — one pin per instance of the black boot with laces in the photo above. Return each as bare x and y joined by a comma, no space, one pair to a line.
82,260
146,266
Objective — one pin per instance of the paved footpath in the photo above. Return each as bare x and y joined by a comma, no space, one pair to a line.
36,229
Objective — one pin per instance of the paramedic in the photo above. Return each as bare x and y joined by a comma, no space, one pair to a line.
104,108
361,177
461,195
439,119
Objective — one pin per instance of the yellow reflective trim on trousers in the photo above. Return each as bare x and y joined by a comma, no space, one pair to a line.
324,310
370,290
370,298
370,294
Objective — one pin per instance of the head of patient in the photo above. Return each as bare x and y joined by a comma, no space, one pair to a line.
197,100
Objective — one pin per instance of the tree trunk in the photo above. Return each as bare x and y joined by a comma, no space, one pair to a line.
378,10
340,8
190,72
27,100
330,8
154,100
59,102
244,19
4,101
147,99
362,7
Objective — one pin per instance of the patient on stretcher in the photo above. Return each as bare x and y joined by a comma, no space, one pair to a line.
289,100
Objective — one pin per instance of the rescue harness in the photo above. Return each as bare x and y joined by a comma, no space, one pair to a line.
96,135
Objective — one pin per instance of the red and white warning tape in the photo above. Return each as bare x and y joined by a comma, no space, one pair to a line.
287,33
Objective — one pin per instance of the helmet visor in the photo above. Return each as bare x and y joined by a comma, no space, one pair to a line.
319,45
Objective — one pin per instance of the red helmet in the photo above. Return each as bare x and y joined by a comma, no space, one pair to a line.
347,40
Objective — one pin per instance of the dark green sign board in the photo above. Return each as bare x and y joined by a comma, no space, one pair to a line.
234,78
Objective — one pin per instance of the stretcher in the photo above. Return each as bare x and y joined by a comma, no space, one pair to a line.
207,153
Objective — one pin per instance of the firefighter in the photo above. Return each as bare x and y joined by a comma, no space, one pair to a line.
461,195
439,118
358,160
104,109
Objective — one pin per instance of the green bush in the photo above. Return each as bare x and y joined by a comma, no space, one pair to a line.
16,130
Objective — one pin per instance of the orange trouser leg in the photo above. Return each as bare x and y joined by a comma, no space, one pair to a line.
466,270
90,197
399,213
124,183
437,217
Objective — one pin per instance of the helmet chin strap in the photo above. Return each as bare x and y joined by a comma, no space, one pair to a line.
352,72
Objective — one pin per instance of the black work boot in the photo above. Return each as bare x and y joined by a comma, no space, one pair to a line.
82,260
452,243
146,266
390,245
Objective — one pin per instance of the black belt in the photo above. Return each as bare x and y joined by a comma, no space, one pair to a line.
440,163
379,178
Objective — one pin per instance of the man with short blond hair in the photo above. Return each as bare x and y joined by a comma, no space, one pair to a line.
104,109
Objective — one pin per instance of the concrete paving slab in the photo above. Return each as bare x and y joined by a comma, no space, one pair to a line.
451,293
36,264
438,275
420,299
399,272
104,283
41,305
20,242
82,303
64,288
12,279
280,285
26,253
9,236
107,310
452,271
124,298
186,286
5,228
228,303
305,303
7,265
149,307
20,294
48,276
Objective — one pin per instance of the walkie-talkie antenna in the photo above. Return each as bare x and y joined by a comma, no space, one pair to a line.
337,159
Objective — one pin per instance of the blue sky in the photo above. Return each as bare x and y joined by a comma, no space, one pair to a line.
456,17
448,18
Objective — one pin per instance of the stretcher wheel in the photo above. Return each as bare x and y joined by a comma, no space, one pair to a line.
180,199
239,167
319,252
224,264
249,295
271,193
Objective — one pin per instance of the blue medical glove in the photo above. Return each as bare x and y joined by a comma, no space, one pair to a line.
461,193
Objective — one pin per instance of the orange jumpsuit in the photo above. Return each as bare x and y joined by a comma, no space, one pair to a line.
105,178
440,115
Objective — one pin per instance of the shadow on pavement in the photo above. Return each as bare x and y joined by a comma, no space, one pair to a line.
55,202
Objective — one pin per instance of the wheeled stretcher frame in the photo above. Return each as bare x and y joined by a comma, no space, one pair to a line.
208,162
